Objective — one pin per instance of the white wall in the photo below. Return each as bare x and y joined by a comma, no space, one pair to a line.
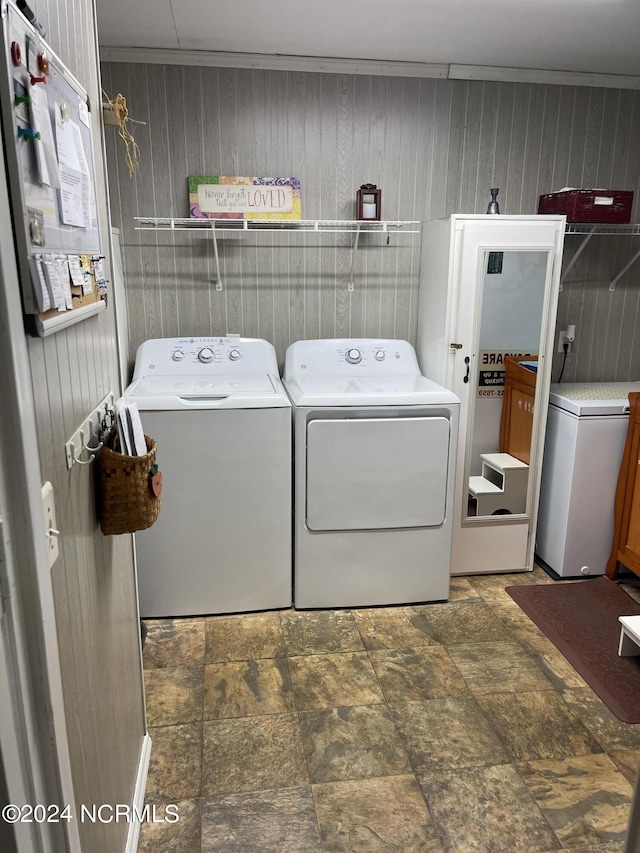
435,147
93,579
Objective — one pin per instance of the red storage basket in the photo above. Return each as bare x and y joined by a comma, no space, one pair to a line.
607,206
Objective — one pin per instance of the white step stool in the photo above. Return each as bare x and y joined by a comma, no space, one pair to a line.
629,636
502,486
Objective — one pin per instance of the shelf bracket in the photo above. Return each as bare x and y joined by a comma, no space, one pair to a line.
214,237
356,240
614,281
573,260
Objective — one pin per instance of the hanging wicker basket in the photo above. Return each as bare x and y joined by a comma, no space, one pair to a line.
130,488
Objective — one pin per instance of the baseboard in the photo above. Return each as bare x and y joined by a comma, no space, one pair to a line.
138,794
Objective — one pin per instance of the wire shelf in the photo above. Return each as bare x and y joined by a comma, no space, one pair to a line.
601,228
305,226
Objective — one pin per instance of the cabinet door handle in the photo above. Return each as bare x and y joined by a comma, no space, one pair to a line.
466,377
455,346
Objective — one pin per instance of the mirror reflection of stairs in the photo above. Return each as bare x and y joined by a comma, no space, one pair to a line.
501,489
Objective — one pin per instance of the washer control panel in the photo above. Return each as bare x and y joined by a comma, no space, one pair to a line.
205,355
192,356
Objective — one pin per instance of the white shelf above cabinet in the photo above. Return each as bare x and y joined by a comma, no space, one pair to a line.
600,229
296,226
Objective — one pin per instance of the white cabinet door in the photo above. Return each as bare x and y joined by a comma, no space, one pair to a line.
488,289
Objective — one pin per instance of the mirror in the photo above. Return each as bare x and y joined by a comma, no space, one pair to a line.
502,391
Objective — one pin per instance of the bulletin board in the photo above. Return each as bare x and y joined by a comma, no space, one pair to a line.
49,149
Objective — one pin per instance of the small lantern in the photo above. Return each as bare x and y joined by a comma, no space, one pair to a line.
369,202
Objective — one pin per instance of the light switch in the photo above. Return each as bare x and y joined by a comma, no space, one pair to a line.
50,529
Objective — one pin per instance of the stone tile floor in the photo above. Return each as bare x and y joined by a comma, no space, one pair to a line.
418,729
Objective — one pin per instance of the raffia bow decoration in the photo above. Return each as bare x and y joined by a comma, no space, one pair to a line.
115,113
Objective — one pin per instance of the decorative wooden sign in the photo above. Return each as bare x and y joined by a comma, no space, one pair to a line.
244,198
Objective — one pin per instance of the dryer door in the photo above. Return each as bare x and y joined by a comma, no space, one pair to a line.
377,473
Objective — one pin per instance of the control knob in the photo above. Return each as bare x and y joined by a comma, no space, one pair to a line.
353,356
234,355
205,355
177,355
380,354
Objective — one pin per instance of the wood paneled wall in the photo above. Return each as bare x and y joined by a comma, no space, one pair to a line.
435,147
93,579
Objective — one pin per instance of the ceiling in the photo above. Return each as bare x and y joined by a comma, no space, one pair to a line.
589,36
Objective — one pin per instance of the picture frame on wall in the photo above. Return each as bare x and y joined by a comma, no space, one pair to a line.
225,197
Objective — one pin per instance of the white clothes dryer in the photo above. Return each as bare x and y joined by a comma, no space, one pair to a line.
222,420
374,466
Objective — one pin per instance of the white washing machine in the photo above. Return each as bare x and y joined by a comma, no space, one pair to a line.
586,431
222,420
374,474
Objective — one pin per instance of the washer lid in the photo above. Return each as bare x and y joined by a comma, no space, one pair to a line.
593,398
238,391
331,390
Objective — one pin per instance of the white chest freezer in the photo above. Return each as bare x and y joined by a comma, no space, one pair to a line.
586,432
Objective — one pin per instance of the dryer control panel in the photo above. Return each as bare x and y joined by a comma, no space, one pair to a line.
352,357
228,355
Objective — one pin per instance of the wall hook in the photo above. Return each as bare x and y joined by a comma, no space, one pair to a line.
90,435
76,453
86,445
